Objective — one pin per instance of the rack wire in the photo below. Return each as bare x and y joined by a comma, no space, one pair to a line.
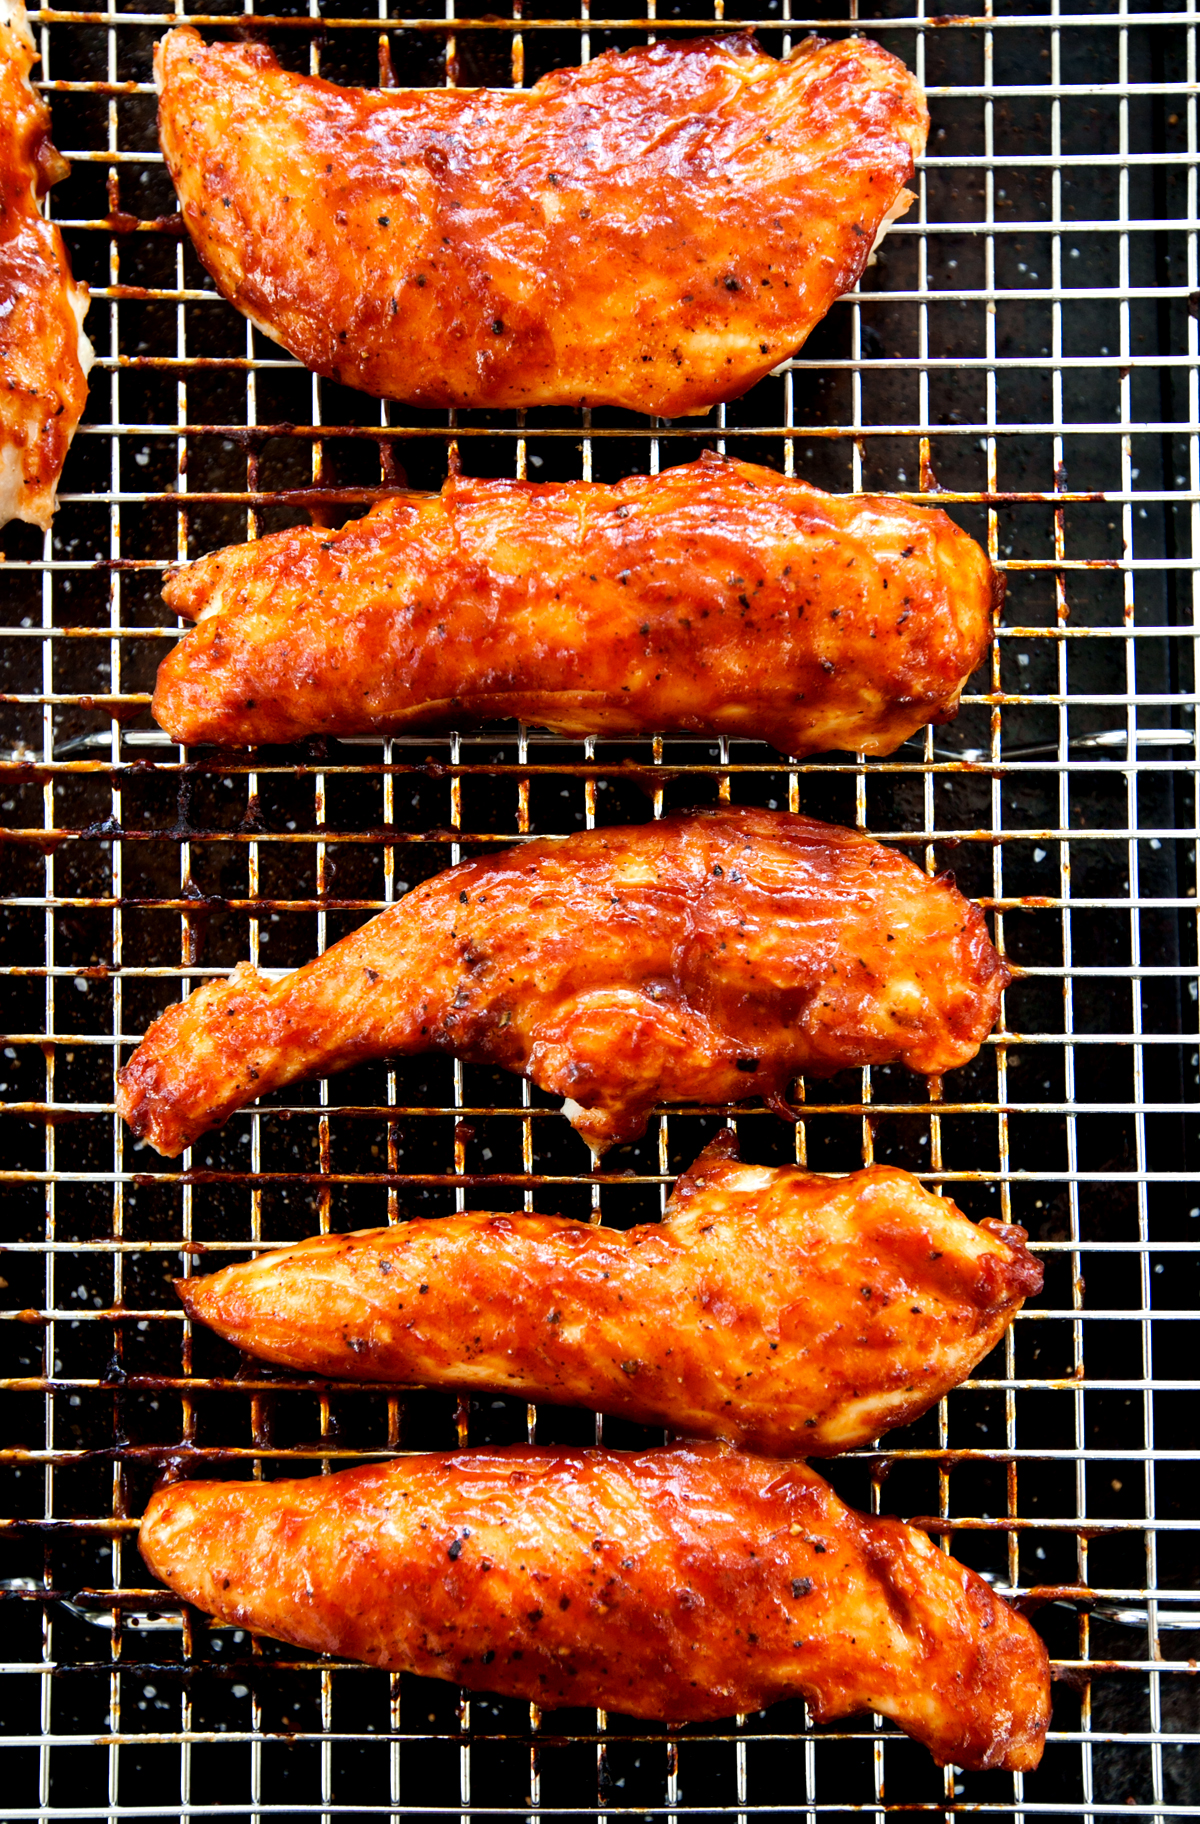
1026,351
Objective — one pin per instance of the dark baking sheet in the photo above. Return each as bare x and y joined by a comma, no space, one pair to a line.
1026,344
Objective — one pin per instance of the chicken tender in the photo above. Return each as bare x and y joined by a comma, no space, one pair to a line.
718,597
702,958
683,1584
782,1310
656,230
44,354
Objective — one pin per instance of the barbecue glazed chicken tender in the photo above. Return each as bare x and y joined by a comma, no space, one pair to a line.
717,597
702,958
781,1310
656,230
44,354
683,1585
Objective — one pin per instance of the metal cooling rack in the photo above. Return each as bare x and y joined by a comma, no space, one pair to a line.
1027,348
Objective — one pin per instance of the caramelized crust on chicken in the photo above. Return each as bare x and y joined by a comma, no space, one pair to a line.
696,958
781,1310
656,230
717,597
684,1585
44,354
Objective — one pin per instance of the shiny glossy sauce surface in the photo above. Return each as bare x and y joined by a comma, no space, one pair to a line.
783,1310
702,958
43,355
682,1584
655,230
717,597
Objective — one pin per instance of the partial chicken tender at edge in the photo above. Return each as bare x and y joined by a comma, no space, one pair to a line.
45,357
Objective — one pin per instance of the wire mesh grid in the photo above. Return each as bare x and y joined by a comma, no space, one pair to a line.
1025,348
